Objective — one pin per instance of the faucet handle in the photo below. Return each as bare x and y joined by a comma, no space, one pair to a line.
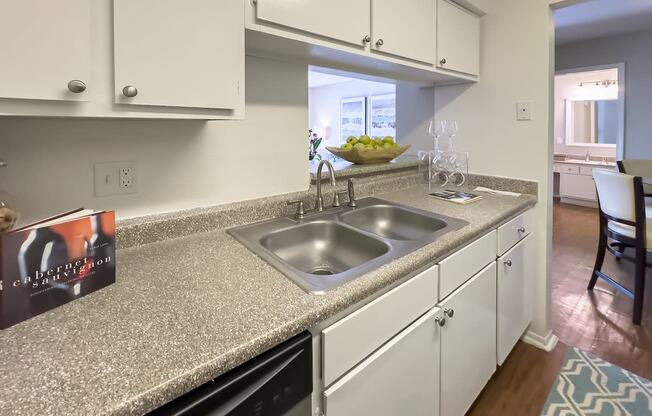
351,193
336,198
301,213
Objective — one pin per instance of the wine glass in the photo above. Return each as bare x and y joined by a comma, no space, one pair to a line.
437,128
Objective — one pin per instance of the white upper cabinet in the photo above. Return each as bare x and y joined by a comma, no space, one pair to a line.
468,342
405,28
179,53
458,39
342,20
75,58
45,48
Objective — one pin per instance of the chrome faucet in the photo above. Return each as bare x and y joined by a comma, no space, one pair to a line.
319,204
588,157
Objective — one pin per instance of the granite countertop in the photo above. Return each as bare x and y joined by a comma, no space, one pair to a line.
186,310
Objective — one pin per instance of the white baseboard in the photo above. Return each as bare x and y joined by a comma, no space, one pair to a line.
546,343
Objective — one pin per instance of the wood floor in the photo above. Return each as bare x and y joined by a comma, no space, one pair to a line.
598,322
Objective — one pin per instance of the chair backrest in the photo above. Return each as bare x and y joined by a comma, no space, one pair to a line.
636,167
617,193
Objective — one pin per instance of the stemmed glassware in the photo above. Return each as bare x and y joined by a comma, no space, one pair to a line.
446,166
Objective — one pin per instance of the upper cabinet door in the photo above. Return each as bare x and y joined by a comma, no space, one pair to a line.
179,53
458,38
344,20
468,342
44,45
405,28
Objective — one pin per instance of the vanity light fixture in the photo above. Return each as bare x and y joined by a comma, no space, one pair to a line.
606,83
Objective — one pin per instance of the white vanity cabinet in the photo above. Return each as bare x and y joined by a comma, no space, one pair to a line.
46,49
458,38
576,185
468,341
414,37
122,58
401,378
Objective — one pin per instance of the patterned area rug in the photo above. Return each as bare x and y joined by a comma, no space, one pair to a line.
588,385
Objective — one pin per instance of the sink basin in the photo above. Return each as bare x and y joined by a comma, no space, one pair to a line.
327,249
323,247
393,222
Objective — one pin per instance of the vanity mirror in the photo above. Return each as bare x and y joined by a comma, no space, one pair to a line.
592,122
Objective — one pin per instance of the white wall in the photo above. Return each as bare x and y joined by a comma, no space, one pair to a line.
415,107
180,164
567,88
635,51
325,104
515,62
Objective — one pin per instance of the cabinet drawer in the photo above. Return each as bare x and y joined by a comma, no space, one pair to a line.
564,168
350,340
460,266
512,232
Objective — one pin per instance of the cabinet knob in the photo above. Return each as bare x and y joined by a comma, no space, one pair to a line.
76,86
521,230
449,312
508,263
130,91
380,42
366,39
442,61
440,320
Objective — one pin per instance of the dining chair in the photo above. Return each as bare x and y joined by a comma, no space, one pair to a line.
638,167
621,205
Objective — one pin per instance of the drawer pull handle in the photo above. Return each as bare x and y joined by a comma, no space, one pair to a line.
441,321
449,312
508,263
521,230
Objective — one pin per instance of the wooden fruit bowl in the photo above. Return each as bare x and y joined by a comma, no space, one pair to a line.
366,156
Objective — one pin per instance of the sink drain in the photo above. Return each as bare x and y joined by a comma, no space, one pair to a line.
322,271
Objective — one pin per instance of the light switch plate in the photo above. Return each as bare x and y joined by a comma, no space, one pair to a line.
115,178
524,110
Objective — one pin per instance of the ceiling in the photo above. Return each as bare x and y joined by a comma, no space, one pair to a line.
320,79
600,18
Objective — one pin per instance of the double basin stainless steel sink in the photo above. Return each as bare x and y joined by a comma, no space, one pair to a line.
326,249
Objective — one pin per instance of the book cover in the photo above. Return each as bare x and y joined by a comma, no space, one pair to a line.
458,197
47,265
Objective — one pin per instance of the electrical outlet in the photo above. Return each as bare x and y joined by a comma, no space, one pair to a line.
126,177
115,178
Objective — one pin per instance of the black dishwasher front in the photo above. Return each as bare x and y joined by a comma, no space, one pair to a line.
277,382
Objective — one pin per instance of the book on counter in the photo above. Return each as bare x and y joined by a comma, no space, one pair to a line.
458,197
55,261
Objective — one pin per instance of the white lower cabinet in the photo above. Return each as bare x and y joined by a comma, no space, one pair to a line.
513,306
400,378
468,342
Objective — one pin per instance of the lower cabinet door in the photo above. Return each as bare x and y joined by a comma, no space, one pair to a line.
400,378
468,342
514,311
577,186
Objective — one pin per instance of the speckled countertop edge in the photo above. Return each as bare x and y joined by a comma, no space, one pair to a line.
185,345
